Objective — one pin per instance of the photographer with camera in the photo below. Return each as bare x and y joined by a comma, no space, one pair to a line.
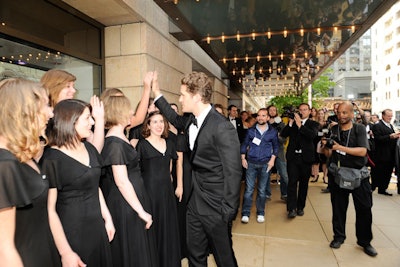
300,156
347,147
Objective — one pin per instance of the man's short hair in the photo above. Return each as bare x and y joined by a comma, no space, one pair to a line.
198,82
231,106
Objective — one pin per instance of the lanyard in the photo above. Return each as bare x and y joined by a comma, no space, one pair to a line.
347,142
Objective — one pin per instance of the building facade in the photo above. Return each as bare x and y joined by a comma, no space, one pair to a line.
385,62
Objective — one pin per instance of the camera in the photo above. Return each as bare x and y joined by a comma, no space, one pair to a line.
330,142
291,115
289,112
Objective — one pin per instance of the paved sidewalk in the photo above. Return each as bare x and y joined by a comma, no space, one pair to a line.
304,241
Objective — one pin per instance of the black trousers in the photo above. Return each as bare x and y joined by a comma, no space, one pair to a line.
362,198
299,174
205,233
383,174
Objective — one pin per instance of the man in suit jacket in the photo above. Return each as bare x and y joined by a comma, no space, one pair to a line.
300,156
385,146
236,122
216,175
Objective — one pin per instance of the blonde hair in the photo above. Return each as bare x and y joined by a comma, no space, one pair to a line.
117,110
21,116
54,81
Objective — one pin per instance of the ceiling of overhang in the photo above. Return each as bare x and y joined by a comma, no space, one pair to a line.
273,47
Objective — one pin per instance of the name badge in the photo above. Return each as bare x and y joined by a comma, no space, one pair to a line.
341,152
256,141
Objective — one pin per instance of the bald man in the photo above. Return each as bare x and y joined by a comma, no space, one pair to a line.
350,149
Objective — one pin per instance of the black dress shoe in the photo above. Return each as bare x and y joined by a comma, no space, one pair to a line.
369,250
292,214
335,243
385,193
300,212
325,190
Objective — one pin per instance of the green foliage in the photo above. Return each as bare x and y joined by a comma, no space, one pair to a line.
320,88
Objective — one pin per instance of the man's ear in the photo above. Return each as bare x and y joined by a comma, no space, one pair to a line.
197,98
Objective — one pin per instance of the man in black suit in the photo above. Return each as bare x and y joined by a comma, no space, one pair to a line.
385,147
216,175
236,122
300,156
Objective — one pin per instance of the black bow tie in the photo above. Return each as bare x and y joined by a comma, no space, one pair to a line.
194,121
233,119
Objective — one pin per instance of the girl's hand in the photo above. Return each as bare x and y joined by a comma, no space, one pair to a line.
179,192
146,217
72,259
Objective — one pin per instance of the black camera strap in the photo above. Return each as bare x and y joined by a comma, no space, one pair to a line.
347,142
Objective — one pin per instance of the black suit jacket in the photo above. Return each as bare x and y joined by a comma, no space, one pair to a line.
303,139
384,146
216,163
241,132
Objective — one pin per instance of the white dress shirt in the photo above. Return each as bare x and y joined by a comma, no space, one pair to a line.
194,130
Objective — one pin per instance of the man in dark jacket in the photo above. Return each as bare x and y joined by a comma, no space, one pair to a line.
300,156
261,146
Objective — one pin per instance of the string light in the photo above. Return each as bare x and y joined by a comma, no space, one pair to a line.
285,32
270,56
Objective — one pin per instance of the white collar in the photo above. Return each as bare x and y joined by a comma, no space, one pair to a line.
200,119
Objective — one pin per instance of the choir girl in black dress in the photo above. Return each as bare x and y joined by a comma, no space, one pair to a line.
25,234
80,221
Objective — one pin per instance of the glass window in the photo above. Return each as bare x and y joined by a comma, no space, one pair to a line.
22,60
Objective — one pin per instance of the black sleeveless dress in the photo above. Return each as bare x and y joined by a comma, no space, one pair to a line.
155,167
133,245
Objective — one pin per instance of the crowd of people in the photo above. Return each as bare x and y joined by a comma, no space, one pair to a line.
357,139
78,189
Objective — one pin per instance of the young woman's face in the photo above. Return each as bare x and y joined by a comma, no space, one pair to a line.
67,92
313,112
83,125
156,125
